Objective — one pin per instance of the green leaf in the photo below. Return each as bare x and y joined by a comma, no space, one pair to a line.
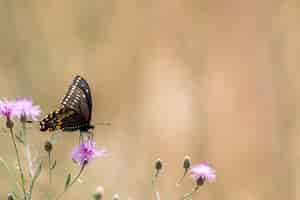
37,172
23,179
35,176
53,165
68,180
20,139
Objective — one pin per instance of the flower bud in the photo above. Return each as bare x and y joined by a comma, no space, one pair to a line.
23,118
48,146
99,193
158,164
116,197
200,181
9,123
10,196
186,162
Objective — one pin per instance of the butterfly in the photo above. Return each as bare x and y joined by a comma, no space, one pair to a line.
74,111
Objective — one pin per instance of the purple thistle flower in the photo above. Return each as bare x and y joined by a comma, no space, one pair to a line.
202,172
85,152
27,110
8,109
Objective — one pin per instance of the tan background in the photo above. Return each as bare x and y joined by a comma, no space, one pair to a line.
217,80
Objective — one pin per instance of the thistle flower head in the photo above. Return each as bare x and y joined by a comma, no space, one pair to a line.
116,197
8,109
158,164
98,195
203,172
85,152
26,109
10,196
48,146
186,162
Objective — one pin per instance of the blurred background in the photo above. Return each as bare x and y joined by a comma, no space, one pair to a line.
215,80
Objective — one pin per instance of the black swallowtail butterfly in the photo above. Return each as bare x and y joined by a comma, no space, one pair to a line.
75,110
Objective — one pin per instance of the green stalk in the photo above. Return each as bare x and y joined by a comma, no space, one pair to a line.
19,162
78,175
34,178
27,149
49,165
187,195
182,177
154,178
70,184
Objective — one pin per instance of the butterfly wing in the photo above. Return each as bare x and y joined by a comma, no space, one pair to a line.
54,120
79,98
75,109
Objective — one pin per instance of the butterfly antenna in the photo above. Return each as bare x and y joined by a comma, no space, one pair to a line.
103,124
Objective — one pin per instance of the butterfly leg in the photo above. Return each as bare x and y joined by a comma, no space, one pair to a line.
90,135
80,138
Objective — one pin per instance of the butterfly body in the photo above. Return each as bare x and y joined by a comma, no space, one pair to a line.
74,112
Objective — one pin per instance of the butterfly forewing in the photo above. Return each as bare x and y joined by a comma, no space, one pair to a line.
75,109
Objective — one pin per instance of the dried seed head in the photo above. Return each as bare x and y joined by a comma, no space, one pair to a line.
99,193
186,162
158,164
48,146
10,196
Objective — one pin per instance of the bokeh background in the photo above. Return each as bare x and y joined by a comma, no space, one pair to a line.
215,80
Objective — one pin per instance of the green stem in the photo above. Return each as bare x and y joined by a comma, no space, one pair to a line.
19,162
34,178
27,149
49,162
74,180
156,193
187,195
78,175
180,180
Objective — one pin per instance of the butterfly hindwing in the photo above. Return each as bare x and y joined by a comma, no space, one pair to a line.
54,120
75,109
